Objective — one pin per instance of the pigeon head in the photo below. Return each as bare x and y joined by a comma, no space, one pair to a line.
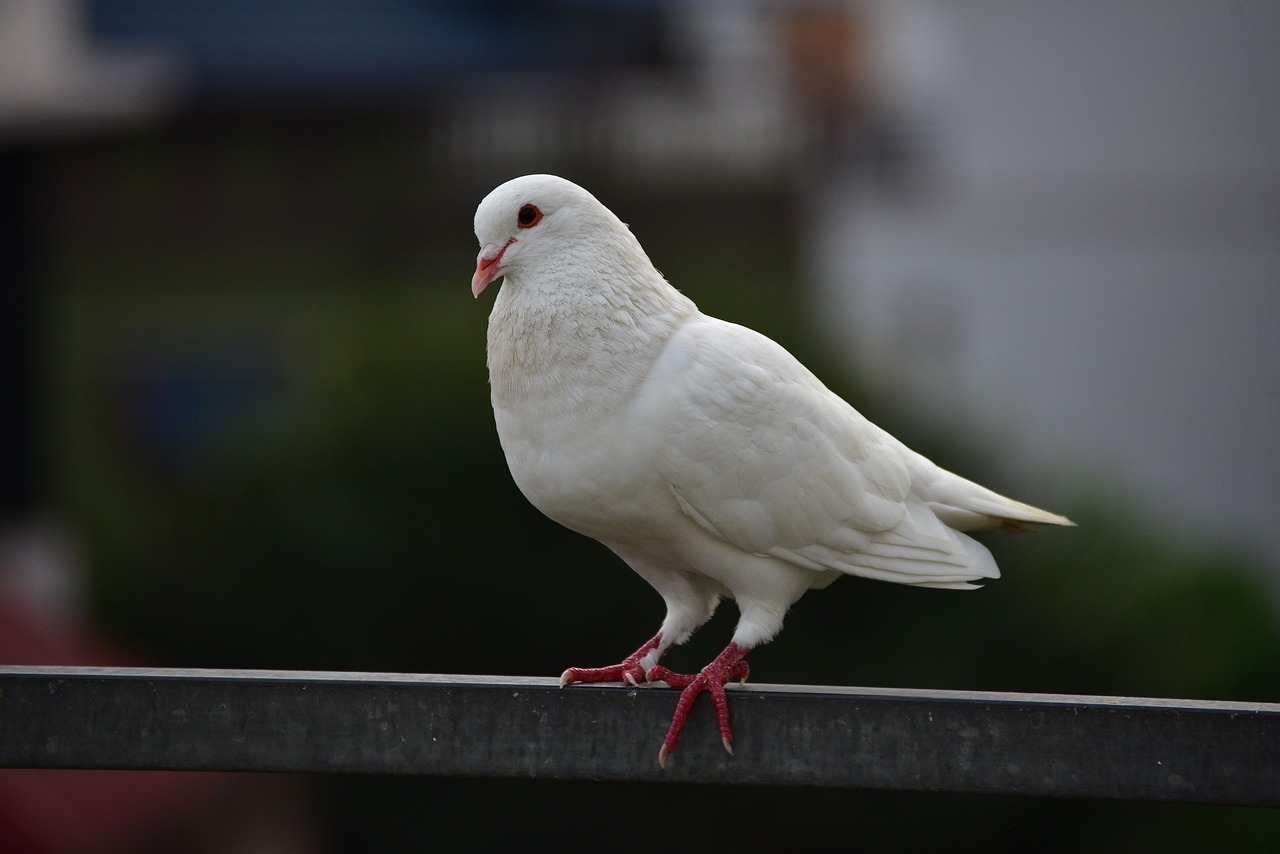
535,223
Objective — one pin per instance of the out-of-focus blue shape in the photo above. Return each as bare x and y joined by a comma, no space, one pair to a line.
379,46
177,404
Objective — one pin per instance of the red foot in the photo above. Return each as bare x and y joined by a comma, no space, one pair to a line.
628,671
727,665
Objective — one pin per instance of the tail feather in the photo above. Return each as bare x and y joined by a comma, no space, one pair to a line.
965,506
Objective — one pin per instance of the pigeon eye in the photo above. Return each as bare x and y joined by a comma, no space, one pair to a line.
529,216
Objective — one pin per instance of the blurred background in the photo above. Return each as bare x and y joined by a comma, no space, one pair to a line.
244,418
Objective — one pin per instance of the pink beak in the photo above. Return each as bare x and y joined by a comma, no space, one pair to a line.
487,266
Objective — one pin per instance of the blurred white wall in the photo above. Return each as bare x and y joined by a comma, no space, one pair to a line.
53,80
1087,273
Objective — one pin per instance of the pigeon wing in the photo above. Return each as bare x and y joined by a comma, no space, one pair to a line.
757,451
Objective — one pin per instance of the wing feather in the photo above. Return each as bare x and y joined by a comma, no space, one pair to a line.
761,454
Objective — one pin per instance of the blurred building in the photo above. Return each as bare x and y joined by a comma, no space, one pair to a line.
1087,276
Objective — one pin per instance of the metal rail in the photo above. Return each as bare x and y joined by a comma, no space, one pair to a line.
388,723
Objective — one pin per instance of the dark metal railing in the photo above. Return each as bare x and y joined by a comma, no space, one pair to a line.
385,723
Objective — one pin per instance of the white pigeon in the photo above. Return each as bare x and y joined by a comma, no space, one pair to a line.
701,452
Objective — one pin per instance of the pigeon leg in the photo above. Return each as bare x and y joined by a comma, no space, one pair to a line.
629,670
728,665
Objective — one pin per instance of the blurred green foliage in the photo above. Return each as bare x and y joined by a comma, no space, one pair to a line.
274,436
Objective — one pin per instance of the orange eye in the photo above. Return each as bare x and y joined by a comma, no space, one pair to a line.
529,216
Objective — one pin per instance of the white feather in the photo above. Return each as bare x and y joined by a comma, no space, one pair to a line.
701,452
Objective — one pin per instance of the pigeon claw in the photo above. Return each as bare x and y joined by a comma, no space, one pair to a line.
727,666
628,670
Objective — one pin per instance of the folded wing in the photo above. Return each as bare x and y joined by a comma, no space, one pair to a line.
759,453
